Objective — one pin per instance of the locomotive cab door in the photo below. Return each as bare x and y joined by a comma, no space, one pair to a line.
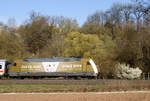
7,65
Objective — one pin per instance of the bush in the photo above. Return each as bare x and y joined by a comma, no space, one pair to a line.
124,71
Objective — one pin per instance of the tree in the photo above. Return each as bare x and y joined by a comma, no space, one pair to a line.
55,47
82,45
36,32
88,45
11,23
144,40
115,14
144,8
11,47
137,11
65,25
127,13
61,28
127,46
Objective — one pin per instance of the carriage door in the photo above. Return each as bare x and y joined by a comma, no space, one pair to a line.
2,66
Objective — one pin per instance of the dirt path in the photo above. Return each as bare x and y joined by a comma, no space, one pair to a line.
77,97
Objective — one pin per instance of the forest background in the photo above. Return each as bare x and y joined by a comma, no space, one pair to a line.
120,34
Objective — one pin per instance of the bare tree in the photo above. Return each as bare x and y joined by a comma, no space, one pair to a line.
115,14
127,13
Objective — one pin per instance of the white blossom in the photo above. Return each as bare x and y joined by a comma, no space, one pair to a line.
126,72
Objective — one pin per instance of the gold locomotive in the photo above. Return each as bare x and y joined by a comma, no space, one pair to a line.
51,67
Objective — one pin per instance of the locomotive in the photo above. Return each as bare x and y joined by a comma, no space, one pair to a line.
49,67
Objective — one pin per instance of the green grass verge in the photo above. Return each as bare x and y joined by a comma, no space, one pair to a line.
66,88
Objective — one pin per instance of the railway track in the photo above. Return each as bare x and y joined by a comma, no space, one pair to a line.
77,82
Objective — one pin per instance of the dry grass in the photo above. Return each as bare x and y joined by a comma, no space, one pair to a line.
73,86
70,88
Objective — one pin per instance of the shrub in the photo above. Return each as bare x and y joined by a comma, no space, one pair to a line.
124,71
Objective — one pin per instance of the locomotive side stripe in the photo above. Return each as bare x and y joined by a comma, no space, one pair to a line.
1,71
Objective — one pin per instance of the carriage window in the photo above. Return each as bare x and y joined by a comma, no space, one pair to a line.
0,66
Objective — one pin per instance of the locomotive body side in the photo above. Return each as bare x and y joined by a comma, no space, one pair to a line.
82,67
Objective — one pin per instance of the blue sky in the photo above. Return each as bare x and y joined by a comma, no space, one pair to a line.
77,9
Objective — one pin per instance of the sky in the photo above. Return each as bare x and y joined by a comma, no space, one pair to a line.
76,9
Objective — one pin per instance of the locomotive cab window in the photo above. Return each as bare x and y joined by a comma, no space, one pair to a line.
14,64
0,66
88,63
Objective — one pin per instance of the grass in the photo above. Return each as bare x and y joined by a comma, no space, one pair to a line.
49,88
68,88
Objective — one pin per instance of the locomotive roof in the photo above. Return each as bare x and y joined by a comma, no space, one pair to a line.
3,60
52,59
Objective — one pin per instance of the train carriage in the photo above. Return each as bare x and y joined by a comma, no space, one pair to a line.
4,66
